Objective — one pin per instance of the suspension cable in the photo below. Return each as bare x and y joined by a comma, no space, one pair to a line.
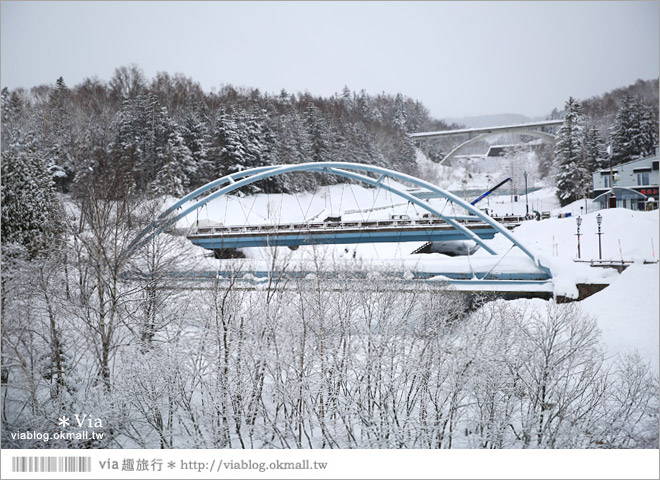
246,223
357,204
498,262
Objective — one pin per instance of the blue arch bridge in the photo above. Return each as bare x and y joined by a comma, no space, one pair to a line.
340,232
534,279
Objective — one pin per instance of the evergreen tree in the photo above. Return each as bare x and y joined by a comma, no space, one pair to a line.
230,153
319,135
324,142
400,114
635,131
59,142
30,208
291,146
195,136
647,138
402,156
568,155
359,147
363,108
622,132
594,157
142,131
242,141
12,107
177,166
264,146
292,140
347,99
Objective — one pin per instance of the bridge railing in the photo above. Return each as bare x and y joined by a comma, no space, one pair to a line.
510,222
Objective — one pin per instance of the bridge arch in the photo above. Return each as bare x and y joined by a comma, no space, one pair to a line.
355,171
532,133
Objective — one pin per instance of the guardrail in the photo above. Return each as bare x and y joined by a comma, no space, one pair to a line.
618,265
511,222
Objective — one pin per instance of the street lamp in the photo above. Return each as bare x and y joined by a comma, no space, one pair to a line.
579,222
599,220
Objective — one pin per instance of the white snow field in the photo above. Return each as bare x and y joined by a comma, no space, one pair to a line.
627,310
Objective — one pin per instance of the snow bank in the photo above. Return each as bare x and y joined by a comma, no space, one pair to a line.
628,312
626,234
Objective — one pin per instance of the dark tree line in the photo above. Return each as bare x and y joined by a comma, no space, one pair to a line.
620,126
168,136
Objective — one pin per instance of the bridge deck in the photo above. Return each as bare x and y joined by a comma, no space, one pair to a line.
513,285
295,234
497,129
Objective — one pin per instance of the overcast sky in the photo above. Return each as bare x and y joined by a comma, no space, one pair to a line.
457,58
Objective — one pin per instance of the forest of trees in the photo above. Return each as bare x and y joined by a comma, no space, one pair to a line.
167,136
623,122
298,364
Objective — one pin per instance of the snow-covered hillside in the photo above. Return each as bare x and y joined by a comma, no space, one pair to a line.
489,120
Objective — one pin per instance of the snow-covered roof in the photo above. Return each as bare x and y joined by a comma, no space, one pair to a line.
643,160
620,192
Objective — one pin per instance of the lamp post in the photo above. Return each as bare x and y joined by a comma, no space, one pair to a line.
599,220
579,222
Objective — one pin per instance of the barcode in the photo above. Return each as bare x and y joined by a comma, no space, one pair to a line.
51,464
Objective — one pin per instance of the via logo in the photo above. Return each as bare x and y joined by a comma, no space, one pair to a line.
84,421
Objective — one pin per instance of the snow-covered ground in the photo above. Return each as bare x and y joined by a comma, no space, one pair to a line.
627,310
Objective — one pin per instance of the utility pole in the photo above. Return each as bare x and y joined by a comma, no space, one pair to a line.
599,220
578,220
526,196
611,201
